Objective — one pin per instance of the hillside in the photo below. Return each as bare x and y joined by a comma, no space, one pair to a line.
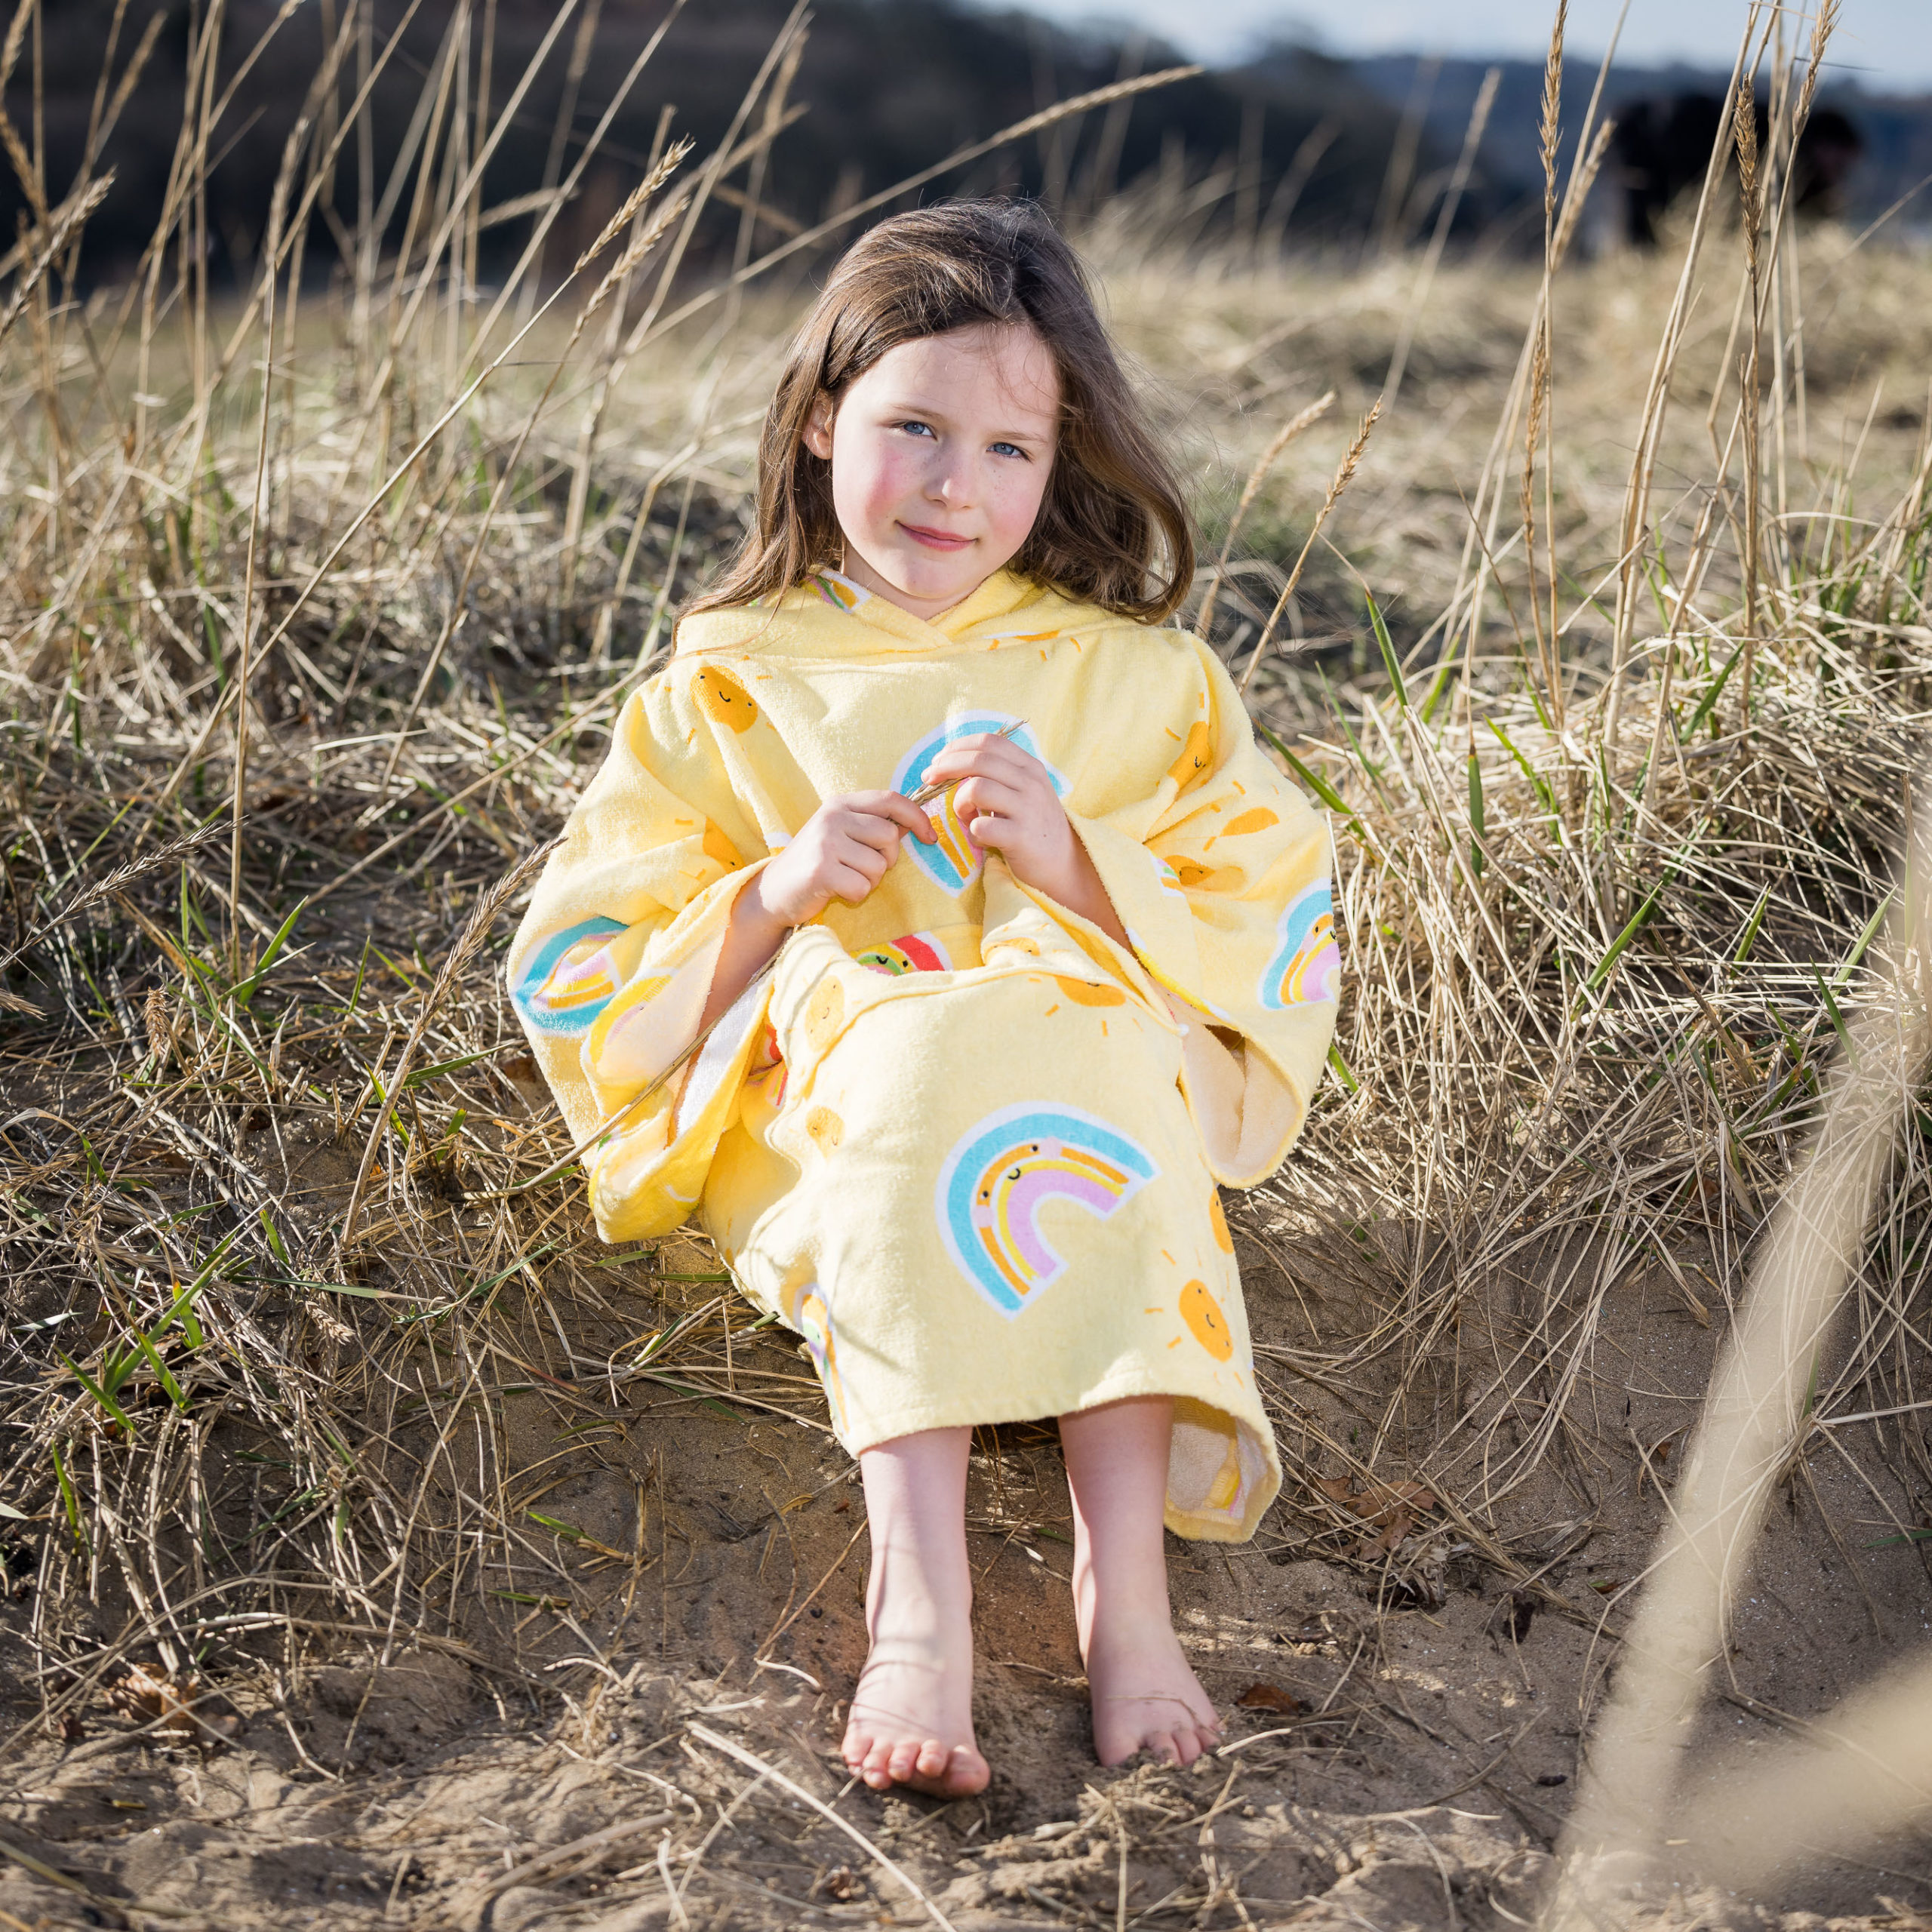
1293,147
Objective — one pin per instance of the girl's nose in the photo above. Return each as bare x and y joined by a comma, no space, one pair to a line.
950,482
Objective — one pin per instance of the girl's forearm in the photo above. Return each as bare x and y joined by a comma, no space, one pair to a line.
755,933
1080,890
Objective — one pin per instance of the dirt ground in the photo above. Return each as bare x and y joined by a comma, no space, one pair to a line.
633,1724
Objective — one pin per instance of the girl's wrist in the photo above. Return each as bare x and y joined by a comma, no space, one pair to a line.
1077,875
756,917
752,934
1065,884
1076,884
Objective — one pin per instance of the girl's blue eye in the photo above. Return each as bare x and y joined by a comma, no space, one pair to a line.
917,428
1008,449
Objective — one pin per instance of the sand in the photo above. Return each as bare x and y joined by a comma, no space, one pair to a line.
634,1724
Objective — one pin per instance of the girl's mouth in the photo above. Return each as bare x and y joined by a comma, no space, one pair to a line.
935,539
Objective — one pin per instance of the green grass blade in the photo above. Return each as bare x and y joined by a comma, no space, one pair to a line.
1386,645
182,1309
245,990
116,1369
1865,939
70,1501
101,1396
424,1074
1832,1008
1624,938
1538,783
1476,828
1444,670
276,1246
1315,783
1707,703
1751,926
1643,912
361,969
160,1370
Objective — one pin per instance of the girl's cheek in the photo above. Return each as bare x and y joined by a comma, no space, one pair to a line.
887,481
1018,506
864,481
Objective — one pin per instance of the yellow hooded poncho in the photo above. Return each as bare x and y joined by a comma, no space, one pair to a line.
959,1140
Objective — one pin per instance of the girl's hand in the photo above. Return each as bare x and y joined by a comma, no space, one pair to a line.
1006,802
842,851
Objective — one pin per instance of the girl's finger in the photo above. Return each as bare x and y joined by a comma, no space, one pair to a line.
897,807
985,752
848,883
862,856
999,833
872,830
983,794
1003,829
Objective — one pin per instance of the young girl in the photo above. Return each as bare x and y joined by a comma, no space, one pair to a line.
963,1136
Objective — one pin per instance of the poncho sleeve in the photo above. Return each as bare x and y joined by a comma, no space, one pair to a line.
1222,881
613,965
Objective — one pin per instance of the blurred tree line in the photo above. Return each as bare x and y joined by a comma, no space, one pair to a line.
1292,142
1293,145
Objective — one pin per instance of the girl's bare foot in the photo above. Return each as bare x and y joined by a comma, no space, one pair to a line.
1146,1697
912,1716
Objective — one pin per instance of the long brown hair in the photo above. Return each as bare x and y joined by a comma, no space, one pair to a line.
1112,529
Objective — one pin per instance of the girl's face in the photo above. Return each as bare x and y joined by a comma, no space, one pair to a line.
940,454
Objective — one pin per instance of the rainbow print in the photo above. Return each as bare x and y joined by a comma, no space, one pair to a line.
1307,965
992,1187
911,952
626,1043
953,861
811,1316
840,592
569,979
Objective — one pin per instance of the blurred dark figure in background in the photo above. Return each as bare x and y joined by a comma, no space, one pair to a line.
1663,147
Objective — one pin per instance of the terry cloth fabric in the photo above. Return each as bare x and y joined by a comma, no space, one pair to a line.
960,1140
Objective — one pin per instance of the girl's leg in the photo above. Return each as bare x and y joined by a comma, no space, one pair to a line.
1146,1697
911,1719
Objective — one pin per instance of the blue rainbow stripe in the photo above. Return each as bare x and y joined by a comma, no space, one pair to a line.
1307,964
569,981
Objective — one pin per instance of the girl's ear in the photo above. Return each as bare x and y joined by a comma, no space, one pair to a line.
817,436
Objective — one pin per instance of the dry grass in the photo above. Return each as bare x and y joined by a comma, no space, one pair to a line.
405,554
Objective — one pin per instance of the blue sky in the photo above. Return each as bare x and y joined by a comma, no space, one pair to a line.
1887,44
